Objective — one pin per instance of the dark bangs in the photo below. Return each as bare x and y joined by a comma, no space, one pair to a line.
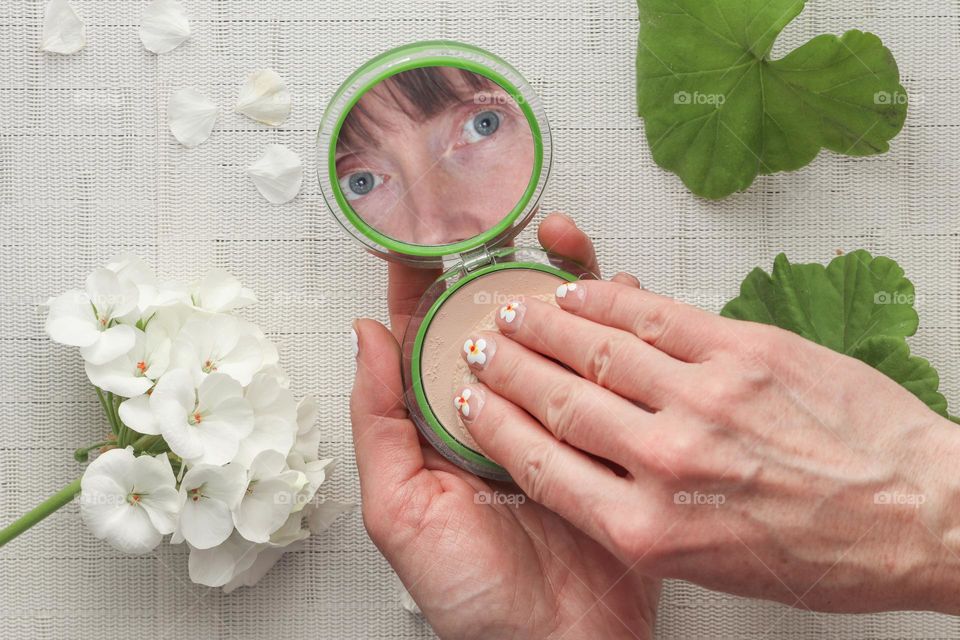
419,93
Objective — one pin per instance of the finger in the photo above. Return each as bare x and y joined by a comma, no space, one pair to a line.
575,410
559,234
387,448
683,331
405,286
612,358
627,280
552,473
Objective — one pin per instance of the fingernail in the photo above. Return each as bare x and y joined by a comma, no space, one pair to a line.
478,351
468,403
510,316
354,339
570,295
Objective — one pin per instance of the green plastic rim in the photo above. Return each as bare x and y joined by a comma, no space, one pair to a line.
464,452
415,56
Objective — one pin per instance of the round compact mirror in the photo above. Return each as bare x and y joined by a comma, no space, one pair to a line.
432,150
434,156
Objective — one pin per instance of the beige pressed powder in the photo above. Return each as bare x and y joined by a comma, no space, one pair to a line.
469,310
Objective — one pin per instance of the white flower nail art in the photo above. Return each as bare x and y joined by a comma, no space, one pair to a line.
566,287
508,312
461,403
474,351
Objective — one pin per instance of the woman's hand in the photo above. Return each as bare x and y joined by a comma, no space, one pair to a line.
480,560
732,454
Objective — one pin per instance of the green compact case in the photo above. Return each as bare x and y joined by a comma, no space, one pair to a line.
435,154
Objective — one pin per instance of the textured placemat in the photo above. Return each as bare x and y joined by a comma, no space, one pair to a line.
88,168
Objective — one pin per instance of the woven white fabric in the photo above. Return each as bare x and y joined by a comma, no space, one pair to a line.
88,168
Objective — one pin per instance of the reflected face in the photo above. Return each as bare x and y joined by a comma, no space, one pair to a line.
434,155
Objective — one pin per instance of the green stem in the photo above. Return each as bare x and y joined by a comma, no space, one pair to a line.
123,434
145,443
82,455
106,409
41,511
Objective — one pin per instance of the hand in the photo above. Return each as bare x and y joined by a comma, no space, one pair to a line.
732,454
477,569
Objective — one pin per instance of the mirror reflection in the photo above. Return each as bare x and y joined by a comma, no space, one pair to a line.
434,155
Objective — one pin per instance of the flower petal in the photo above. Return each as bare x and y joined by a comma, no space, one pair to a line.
191,116
216,566
137,415
321,516
164,26
110,344
63,31
265,98
71,320
205,523
278,174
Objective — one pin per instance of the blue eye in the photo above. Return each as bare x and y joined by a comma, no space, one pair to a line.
358,184
481,126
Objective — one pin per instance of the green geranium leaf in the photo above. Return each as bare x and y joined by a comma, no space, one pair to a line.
719,111
858,305
891,356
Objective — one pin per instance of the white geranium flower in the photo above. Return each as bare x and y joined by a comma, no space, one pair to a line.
208,496
133,373
202,425
274,419
219,291
164,26
270,497
63,31
89,319
265,98
130,502
218,343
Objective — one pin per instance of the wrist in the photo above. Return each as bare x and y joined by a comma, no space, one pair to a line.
934,534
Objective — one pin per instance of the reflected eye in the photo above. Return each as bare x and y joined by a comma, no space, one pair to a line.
359,183
481,126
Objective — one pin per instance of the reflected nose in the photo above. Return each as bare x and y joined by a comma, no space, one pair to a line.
441,210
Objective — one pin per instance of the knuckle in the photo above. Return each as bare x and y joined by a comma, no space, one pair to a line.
538,471
634,537
602,357
673,454
651,325
563,409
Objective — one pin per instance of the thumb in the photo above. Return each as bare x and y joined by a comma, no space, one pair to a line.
385,440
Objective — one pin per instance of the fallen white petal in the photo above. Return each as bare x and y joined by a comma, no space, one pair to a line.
278,174
192,116
265,98
164,26
63,30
